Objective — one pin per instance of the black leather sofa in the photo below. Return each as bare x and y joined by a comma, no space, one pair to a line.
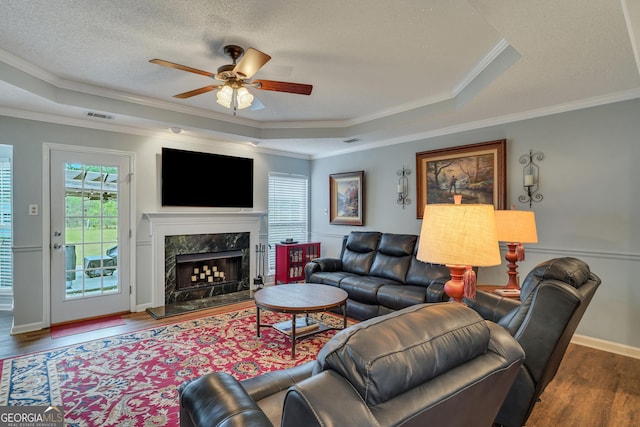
553,299
380,273
386,371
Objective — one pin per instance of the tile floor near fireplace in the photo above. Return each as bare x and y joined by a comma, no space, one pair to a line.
198,304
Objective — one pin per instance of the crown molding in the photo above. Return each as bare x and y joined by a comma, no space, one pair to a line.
494,121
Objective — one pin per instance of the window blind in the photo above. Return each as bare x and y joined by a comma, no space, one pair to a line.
288,211
6,264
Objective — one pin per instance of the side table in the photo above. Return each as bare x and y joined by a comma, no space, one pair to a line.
500,290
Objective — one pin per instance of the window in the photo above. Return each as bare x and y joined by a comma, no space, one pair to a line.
6,268
288,211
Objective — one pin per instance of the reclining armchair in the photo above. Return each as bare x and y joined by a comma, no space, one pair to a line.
429,364
553,298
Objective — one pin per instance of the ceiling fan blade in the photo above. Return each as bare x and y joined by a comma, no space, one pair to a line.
250,63
196,92
297,88
181,67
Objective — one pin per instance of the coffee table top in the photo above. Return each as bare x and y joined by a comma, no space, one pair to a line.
299,298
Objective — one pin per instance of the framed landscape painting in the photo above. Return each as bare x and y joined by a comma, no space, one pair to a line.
477,172
346,198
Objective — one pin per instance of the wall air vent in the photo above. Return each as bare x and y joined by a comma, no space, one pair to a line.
99,115
349,141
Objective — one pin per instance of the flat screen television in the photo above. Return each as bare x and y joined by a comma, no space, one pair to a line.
195,179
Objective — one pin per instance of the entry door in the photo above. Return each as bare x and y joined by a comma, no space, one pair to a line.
90,244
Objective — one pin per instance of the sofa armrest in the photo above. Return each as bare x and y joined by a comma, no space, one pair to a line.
491,306
273,382
322,264
435,291
218,399
326,399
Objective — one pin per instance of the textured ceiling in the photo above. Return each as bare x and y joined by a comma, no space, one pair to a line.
382,72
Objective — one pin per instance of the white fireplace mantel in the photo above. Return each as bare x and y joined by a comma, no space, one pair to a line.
162,224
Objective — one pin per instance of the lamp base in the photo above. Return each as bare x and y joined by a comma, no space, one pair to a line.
455,287
511,257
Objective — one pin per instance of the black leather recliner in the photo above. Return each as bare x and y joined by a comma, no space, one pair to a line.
429,364
553,298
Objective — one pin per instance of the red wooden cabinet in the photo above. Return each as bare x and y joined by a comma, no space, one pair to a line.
291,259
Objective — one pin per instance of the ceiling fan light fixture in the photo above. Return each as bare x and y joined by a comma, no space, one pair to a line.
232,93
224,96
244,97
234,98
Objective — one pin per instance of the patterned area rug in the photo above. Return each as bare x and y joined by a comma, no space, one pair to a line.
132,379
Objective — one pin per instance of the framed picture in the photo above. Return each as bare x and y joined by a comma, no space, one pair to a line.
346,203
477,172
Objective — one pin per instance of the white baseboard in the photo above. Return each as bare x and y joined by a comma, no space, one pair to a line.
142,307
29,327
611,347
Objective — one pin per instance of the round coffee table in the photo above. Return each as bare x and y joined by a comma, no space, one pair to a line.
300,298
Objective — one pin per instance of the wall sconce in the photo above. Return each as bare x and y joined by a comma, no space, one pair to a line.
530,176
403,187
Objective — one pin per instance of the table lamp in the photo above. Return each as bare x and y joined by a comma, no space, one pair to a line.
515,228
459,236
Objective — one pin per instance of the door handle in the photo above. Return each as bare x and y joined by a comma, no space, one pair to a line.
57,246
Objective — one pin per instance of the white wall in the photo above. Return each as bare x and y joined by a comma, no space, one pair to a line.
27,138
591,206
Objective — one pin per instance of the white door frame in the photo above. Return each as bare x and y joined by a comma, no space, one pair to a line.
46,223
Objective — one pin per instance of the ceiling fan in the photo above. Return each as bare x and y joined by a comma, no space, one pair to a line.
236,77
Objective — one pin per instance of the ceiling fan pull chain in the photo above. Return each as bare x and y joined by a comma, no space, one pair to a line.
234,101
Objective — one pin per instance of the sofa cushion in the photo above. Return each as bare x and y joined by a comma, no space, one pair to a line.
387,355
364,288
423,274
360,251
332,278
363,241
394,256
398,245
390,267
400,296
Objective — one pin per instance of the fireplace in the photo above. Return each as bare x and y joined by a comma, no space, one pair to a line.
200,266
209,270
211,234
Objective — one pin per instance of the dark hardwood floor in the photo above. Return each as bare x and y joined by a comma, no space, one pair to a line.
13,345
592,388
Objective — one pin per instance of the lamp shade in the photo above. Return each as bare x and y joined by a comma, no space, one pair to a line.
459,235
516,226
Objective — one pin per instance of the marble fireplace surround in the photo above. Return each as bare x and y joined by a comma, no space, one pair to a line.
162,224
